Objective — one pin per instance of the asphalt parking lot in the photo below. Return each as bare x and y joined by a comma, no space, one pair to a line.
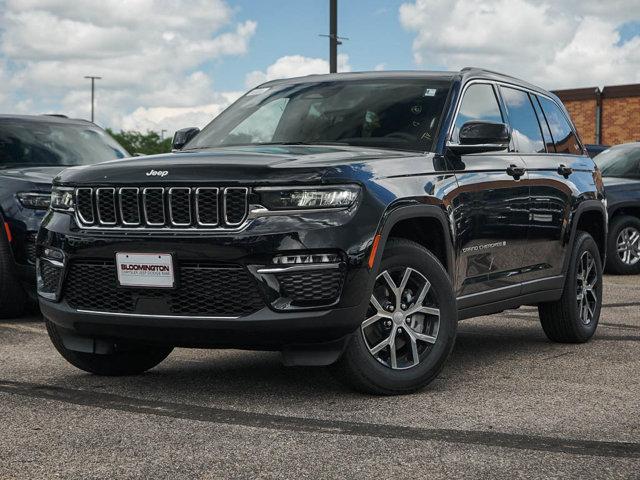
510,404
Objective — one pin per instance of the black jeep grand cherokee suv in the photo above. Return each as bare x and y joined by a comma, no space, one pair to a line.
346,219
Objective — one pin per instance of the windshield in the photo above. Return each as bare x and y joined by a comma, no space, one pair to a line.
389,113
55,144
620,161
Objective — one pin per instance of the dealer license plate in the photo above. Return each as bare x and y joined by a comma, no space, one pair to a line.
145,270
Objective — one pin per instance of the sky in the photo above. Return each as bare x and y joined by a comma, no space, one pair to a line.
169,64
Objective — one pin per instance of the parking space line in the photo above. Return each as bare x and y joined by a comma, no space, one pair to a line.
323,426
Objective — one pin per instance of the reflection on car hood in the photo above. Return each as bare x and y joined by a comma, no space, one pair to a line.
620,181
255,164
32,174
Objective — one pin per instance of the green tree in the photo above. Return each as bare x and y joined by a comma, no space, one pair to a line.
148,143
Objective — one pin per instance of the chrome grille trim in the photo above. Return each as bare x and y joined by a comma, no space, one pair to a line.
122,217
81,217
168,209
145,192
198,218
170,202
227,190
112,191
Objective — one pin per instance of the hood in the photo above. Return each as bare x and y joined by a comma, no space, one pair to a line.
254,165
620,182
38,175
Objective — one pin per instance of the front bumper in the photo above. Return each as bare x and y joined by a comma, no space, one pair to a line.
277,323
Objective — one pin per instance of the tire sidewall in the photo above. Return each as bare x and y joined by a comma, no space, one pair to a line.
407,254
585,242
614,263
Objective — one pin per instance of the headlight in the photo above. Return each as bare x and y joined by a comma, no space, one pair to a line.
35,200
62,198
302,198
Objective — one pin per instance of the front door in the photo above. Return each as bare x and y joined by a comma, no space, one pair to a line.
491,210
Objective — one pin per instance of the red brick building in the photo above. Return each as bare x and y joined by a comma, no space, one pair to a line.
608,116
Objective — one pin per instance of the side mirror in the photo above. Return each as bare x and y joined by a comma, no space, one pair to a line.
478,136
183,136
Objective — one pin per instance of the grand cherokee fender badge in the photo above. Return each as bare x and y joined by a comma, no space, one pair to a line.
486,246
157,173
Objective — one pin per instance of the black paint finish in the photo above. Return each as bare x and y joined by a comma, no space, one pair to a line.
506,220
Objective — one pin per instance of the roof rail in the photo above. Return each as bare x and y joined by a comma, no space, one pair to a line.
59,115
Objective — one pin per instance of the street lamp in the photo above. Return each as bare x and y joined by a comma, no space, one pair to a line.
93,89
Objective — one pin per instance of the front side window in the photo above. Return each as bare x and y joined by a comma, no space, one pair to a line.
564,139
479,103
398,113
620,161
523,120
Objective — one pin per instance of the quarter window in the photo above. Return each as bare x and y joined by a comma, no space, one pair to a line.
564,139
524,123
479,103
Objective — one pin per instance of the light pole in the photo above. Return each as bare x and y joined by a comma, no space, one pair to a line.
93,91
334,39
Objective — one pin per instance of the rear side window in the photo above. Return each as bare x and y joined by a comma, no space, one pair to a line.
546,133
523,119
564,139
479,103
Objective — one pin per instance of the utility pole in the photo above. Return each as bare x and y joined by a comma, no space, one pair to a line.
93,92
162,134
333,36
334,39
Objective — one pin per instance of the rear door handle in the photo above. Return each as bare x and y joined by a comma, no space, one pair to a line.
564,170
516,171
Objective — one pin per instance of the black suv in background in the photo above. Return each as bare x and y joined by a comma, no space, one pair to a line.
33,150
620,166
346,219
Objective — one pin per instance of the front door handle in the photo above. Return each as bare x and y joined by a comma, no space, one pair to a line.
564,170
516,171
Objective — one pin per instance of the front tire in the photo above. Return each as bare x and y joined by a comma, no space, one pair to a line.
574,317
136,359
410,327
623,247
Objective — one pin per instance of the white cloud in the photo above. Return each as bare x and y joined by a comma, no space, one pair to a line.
150,54
570,44
173,118
294,66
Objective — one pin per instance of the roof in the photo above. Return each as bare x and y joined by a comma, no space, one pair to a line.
590,93
44,119
465,74
573,94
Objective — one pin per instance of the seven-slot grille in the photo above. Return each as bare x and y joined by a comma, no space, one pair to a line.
162,207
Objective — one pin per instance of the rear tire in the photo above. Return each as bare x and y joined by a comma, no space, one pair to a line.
574,318
623,246
135,360
13,298
421,339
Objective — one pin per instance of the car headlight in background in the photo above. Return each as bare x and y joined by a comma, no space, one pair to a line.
62,199
35,200
303,198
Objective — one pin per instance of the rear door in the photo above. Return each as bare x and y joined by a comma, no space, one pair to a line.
556,172
490,208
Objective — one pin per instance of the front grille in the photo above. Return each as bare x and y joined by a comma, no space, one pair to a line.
203,289
318,287
162,207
